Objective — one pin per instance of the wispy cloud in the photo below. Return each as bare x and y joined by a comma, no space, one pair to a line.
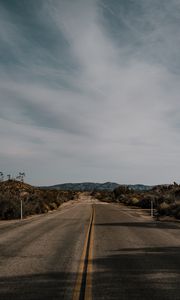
90,91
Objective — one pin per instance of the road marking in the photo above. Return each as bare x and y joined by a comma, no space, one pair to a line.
83,286
88,290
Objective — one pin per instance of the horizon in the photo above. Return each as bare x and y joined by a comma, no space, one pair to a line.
90,90
85,182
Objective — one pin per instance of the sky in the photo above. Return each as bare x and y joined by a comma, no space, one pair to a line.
89,90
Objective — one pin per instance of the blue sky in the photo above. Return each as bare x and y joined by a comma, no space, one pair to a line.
89,90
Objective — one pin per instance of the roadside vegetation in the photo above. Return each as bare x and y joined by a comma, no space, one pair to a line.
165,198
35,200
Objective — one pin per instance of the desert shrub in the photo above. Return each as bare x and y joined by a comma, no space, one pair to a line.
35,201
177,193
177,213
164,209
105,196
52,206
122,198
145,202
121,190
9,206
135,201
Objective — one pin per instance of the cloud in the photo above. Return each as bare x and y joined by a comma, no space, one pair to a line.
97,98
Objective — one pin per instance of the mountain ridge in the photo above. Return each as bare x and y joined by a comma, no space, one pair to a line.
91,186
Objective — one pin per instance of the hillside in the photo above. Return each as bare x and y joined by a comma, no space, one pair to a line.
139,187
35,200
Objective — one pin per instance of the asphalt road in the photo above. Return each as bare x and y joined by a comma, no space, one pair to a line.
134,257
39,257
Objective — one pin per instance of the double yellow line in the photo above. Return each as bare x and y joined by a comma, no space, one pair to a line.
83,286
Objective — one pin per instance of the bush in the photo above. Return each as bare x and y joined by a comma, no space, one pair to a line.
35,201
145,202
164,209
121,190
135,201
176,212
9,206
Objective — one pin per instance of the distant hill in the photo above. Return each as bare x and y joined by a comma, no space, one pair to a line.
91,186
140,187
84,186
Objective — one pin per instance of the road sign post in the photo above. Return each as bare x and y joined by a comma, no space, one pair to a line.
21,210
152,209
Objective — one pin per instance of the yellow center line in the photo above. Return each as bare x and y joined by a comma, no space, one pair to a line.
88,290
83,286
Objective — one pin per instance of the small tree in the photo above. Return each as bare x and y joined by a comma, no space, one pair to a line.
18,177
9,177
21,176
1,176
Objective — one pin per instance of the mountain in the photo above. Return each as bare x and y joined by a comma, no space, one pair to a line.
91,186
84,186
140,187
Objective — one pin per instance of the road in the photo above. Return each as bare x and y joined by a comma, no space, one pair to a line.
134,257
131,256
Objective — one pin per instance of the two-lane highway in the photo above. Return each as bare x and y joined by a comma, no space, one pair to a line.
115,253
